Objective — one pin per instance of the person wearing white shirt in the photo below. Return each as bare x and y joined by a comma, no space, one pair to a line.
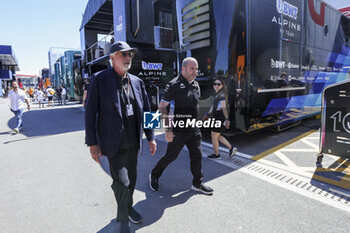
40,96
17,99
64,94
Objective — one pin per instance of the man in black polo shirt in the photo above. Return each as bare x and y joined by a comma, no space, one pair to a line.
113,126
183,91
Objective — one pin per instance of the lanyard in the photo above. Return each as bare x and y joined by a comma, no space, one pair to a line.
127,91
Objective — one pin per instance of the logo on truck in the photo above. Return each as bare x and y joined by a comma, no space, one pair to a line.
120,25
287,9
289,24
277,64
151,66
317,17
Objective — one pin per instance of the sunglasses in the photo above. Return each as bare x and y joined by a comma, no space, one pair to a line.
127,54
217,84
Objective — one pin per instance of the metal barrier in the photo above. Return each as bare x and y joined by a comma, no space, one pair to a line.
100,48
335,121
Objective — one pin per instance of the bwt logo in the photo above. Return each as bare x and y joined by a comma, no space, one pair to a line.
287,9
278,64
151,66
151,120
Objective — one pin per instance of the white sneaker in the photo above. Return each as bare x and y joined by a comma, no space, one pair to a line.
233,151
16,130
203,189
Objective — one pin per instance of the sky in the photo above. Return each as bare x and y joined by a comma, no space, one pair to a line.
32,27
338,4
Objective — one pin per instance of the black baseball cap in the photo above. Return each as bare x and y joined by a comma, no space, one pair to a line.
121,46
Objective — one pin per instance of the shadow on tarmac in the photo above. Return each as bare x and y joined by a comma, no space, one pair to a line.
7,132
154,205
260,141
333,177
174,185
48,121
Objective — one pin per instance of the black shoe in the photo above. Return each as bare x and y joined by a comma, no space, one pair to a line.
214,156
153,182
134,216
232,152
203,189
124,227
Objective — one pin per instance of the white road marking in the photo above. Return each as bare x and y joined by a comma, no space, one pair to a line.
290,171
294,170
316,147
312,138
179,193
308,169
298,150
293,188
342,193
286,160
278,168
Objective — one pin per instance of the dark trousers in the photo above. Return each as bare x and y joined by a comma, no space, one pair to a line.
59,99
123,168
192,139
64,97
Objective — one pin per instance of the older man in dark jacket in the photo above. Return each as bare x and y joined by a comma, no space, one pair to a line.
113,125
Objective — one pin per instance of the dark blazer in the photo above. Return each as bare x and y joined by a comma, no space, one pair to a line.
103,116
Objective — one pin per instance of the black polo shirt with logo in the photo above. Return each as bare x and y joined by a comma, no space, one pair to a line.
183,98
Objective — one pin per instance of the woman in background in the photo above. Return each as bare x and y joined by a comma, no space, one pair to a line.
219,111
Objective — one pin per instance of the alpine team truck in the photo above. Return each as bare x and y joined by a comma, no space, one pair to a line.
275,55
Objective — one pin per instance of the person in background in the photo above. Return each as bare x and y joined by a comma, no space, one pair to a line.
64,95
219,111
31,93
50,92
17,99
86,90
40,97
8,89
59,95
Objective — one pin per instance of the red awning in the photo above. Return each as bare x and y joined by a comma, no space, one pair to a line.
346,11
